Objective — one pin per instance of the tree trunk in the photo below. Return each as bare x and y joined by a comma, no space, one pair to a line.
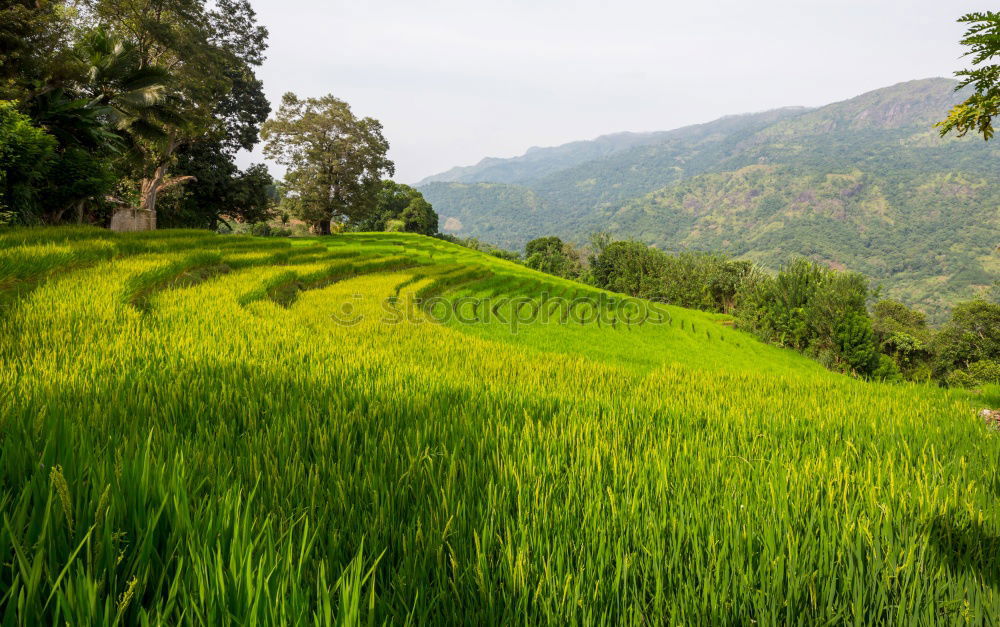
143,218
150,187
322,227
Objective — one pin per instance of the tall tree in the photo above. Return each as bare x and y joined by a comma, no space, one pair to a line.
335,161
976,114
630,268
219,189
209,53
814,309
41,72
419,216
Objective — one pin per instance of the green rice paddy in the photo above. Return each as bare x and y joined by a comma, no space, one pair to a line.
200,429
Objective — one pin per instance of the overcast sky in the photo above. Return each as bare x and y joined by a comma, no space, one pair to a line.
454,81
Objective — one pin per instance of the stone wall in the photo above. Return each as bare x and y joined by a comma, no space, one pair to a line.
133,220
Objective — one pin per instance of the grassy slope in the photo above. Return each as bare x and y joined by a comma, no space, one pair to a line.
187,437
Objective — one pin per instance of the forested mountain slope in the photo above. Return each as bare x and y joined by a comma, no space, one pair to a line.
865,183
539,162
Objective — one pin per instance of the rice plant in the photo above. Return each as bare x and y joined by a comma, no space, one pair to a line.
215,430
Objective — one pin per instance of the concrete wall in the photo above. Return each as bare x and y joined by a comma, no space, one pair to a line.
133,220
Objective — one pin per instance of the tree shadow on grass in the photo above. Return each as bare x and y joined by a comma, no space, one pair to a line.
967,547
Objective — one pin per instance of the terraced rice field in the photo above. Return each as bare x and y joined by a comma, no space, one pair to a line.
197,429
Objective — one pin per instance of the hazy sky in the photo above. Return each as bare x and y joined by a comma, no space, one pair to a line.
456,80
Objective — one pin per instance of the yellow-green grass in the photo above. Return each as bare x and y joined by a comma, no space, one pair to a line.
188,436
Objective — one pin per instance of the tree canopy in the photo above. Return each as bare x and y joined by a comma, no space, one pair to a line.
554,256
137,95
402,208
335,160
976,113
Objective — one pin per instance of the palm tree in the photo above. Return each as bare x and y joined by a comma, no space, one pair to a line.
74,121
115,77
139,105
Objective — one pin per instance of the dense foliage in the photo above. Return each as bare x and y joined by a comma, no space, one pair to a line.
26,155
805,306
694,280
399,207
129,103
816,310
822,312
902,334
972,336
554,256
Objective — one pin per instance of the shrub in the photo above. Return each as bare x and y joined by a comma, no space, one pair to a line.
959,379
509,255
260,229
972,334
26,154
985,371
887,370
921,372
857,344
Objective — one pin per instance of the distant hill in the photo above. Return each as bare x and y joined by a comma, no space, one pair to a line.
864,184
539,162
